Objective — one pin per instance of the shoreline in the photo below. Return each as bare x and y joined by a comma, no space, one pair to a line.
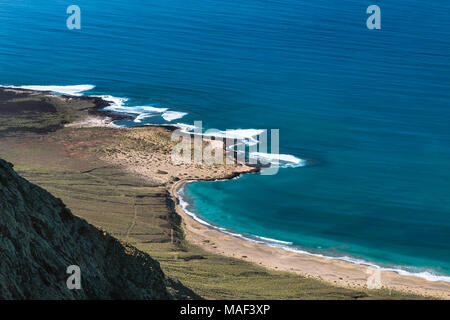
285,245
335,271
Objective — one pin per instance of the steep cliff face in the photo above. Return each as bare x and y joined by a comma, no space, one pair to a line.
40,238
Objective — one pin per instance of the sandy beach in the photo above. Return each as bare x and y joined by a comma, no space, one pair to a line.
338,272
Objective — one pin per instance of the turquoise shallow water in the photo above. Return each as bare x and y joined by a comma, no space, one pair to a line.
368,110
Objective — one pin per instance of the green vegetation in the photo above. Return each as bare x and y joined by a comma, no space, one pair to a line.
66,163
21,113
219,277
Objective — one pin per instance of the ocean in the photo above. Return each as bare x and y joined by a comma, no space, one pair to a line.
364,111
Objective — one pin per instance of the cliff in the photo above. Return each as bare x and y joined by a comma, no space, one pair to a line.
40,238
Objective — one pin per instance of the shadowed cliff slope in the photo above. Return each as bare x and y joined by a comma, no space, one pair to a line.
40,238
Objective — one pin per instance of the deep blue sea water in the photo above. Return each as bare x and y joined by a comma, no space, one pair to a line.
367,109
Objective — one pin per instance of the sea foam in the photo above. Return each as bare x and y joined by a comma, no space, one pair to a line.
247,136
173,115
284,160
76,90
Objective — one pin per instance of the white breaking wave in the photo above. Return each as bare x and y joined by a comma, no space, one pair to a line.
285,160
145,112
275,240
188,128
68,90
118,104
115,102
239,134
149,109
143,116
142,112
173,115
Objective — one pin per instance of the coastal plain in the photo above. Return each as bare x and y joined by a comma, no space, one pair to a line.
122,180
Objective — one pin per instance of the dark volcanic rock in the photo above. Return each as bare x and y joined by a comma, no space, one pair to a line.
40,238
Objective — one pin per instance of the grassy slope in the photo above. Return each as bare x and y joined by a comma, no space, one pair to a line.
65,162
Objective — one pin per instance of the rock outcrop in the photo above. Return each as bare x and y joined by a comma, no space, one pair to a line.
40,238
